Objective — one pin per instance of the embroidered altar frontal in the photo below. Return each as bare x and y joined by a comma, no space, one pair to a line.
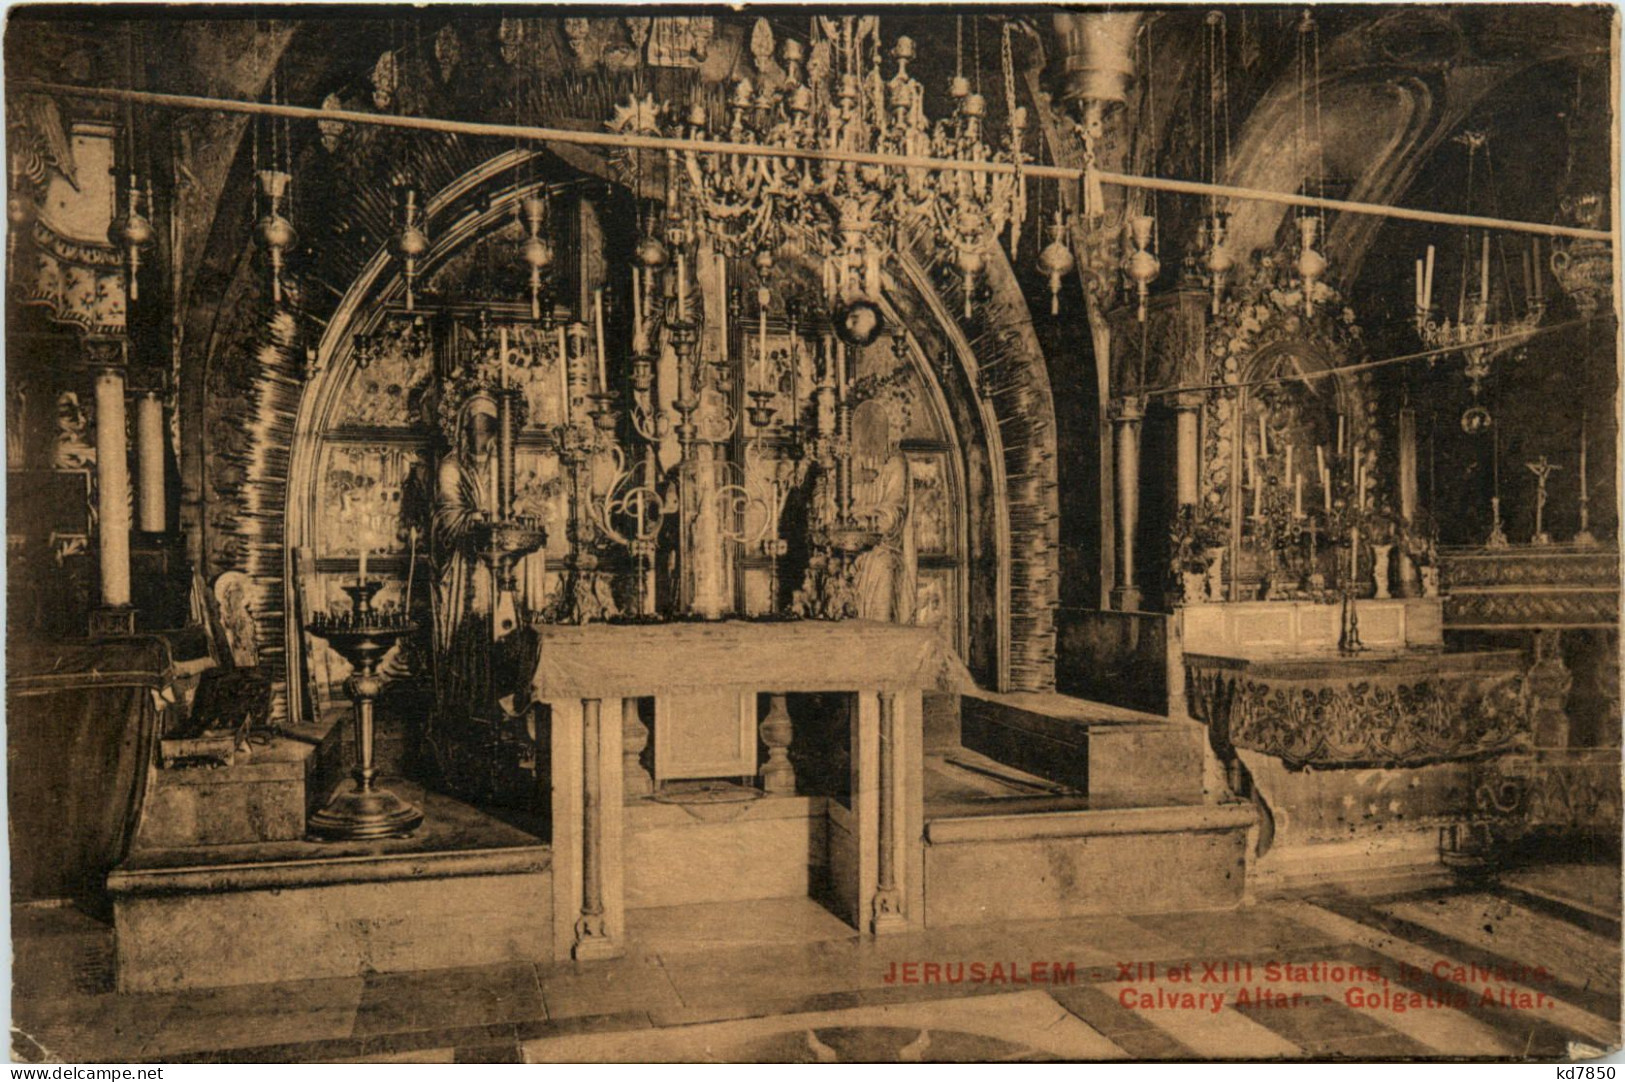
1376,712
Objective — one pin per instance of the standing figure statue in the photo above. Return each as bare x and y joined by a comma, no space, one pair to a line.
884,577
464,589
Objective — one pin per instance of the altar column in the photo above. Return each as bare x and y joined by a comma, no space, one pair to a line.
888,906
883,858
1409,583
112,503
1188,403
589,903
1126,414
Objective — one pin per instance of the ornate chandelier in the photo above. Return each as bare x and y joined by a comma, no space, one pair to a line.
1479,337
836,96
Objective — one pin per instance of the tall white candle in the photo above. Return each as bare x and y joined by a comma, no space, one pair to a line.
762,298
1420,304
113,487
1583,493
1297,495
564,377
149,435
1341,445
840,371
361,572
502,348
1495,462
1484,270
1320,460
1326,489
1427,281
1263,438
682,286
598,327
1258,499
638,344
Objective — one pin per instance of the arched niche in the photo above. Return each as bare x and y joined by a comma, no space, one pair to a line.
964,574
1286,404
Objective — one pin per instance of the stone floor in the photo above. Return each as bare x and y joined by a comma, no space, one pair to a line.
784,980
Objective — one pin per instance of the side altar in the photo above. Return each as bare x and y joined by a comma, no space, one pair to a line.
595,680
1295,609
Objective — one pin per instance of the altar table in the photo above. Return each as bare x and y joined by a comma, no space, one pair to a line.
874,848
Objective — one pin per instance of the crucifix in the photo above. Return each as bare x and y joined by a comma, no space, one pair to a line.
1542,470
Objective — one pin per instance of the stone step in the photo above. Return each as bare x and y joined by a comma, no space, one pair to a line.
1109,752
1048,865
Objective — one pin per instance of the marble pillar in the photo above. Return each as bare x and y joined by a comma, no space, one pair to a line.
592,934
1407,465
888,907
149,435
112,488
1126,415
1188,405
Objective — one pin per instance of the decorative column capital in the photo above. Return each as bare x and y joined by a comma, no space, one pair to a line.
1190,400
1129,409
107,354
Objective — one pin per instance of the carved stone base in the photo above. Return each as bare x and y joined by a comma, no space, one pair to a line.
1126,598
888,916
594,946
112,621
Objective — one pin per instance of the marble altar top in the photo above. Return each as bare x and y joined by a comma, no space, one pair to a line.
610,661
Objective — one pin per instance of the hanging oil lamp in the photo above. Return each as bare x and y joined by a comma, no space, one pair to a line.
536,250
276,232
1311,264
1143,266
1056,260
411,243
133,232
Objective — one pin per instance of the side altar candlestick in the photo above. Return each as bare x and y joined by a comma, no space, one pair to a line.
362,637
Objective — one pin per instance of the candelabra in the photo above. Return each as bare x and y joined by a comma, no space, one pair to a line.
1479,338
506,538
362,637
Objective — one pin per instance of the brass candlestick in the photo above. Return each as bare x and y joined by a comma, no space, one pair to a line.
362,637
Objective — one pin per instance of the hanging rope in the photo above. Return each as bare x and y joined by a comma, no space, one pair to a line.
536,133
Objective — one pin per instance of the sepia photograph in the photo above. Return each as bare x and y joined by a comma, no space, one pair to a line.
754,534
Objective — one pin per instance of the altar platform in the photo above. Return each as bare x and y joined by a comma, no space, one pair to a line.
663,813
468,888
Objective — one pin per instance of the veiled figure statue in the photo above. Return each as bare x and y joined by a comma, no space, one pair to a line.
884,577
464,590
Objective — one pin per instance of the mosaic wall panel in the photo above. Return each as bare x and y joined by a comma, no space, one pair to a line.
389,392
369,497
933,504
